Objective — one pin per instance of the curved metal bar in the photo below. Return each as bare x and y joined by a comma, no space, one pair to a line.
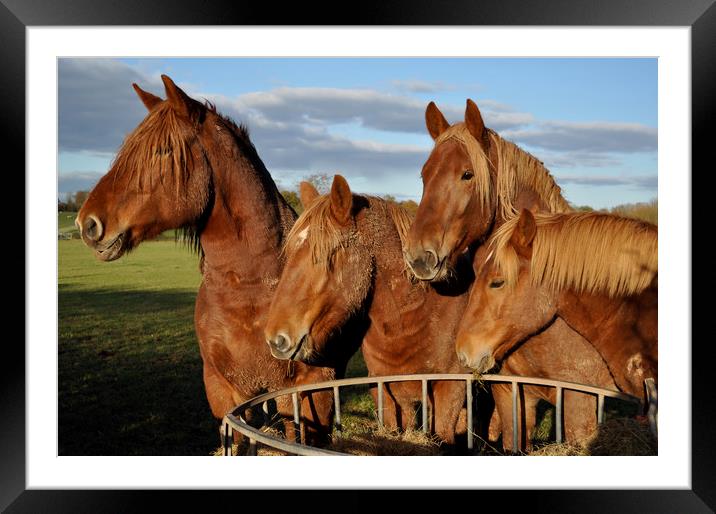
234,420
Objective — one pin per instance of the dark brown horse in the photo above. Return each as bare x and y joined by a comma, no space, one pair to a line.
344,259
472,181
596,271
186,166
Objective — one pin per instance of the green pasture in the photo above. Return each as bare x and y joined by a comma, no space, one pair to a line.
130,379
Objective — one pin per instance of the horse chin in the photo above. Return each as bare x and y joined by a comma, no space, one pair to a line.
303,351
486,364
113,250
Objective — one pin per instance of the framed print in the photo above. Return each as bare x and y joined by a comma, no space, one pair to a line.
37,37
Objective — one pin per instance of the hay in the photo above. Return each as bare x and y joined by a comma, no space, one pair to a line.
617,436
382,441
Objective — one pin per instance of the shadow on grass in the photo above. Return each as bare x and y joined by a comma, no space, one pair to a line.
130,375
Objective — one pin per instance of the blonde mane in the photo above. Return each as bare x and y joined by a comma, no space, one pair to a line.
594,253
517,171
317,228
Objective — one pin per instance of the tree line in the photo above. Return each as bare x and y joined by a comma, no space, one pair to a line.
322,182
73,201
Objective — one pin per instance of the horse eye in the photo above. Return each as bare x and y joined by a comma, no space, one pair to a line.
497,283
467,175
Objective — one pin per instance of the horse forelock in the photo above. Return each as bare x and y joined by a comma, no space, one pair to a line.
317,228
595,253
478,159
156,150
516,170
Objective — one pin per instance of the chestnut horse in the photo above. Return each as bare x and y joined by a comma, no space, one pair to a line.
472,181
186,166
344,259
596,271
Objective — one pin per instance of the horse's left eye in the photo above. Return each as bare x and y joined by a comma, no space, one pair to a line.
497,283
467,175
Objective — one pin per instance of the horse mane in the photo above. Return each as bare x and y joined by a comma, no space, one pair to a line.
517,170
402,220
320,231
324,236
158,150
159,143
595,253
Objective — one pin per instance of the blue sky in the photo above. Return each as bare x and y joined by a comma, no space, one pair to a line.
592,121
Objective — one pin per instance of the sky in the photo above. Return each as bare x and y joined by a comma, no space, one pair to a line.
593,122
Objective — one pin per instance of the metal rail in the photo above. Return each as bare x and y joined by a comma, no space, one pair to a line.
234,420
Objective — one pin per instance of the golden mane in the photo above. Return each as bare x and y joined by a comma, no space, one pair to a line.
157,150
595,253
319,230
324,236
402,219
517,170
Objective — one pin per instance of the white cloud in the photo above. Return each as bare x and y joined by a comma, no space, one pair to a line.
421,86
77,181
639,182
588,137
96,103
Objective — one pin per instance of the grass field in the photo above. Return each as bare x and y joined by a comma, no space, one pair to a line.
129,365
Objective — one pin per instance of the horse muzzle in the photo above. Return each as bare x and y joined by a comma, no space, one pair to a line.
283,348
426,265
92,231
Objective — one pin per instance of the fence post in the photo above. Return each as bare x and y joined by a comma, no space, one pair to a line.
228,438
380,404
652,402
600,409
515,433
468,400
337,401
425,406
296,417
558,415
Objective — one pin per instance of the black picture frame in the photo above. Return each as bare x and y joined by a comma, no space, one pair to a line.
699,15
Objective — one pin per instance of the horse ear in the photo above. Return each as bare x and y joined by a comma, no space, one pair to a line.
475,125
524,233
148,99
178,99
341,199
435,121
308,193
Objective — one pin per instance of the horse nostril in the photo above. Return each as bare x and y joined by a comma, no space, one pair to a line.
280,343
431,259
93,228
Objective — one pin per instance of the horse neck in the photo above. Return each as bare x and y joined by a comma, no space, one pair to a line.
400,310
248,219
532,186
622,330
